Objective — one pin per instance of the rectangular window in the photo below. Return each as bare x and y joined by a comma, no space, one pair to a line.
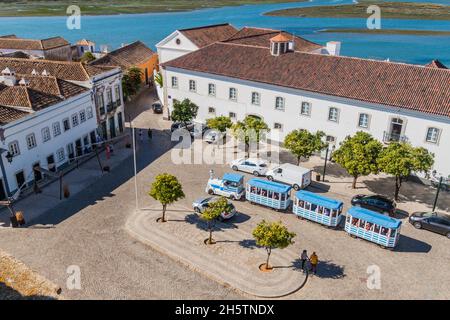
432,135
90,114
211,110
74,120
60,156
14,148
330,139
100,103
232,94
305,109
363,121
56,129
278,126
211,89
82,116
109,99
174,82
333,114
192,86
232,115
256,98
31,141
117,95
66,124
279,103
46,134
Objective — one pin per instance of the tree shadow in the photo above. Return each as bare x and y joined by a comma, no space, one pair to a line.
411,190
9,293
408,244
232,223
249,244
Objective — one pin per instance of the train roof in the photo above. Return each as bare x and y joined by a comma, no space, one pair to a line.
374,217
233,177
269,185
318,199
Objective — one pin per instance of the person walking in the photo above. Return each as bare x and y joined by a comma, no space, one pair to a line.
304,259
314,260
149,133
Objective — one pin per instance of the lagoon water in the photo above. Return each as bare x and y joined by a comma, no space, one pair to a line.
114,30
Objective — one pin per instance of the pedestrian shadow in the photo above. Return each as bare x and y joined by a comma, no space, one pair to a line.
330,270
408,244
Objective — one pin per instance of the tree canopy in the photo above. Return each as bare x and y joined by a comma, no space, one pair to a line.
250,130
272,235
213,212
184,111
221,123
400,159
131,81
87,57
358,155
166,189
302,143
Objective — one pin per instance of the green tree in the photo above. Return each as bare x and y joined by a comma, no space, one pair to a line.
184,111
221,123
358,155
302,143
272,235
87,57
213,212
400,159
131,81
159,79
166,189
250,130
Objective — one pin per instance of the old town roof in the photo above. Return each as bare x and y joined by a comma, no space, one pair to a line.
127,56
399,85
206,35
13,42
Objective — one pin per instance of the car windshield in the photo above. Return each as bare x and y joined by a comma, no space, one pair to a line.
428,214
262,165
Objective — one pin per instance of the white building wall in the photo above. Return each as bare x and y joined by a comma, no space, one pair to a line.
414,129
173,46
20,129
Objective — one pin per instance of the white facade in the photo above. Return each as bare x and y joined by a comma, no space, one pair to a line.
173,46
44,138
350,115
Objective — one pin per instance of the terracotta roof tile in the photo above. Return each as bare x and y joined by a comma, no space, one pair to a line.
206,35
10,42
436,64
393,84
261,38
127,56
8,114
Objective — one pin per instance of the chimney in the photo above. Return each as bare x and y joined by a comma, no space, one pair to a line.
8,77
24,83
34,72
334,48
45,73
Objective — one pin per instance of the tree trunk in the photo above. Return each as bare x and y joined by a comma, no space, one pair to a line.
247,148
398,184
163,219
210,232
269,251
298,160
355,178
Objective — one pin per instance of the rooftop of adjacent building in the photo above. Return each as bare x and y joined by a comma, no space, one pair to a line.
16,43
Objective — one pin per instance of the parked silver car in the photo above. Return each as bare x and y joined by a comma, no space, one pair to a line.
201,204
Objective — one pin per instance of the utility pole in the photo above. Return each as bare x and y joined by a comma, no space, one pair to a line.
325,166
134,162
437,193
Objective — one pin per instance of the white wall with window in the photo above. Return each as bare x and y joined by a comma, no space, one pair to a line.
313,111
39,136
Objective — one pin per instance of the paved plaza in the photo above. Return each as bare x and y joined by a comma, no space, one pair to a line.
92,230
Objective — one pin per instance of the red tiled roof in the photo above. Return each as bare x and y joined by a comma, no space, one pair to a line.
393,84
280,38
206,35
261,38
66,70
8,114
12,42
127,56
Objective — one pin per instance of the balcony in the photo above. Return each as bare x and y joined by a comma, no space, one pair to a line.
109,107
394,137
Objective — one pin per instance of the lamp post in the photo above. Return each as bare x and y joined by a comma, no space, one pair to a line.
326,160
437,193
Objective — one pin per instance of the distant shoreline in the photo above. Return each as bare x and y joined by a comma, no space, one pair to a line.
389,31
389,10
57,8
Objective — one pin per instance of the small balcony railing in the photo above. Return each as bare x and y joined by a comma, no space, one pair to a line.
394,137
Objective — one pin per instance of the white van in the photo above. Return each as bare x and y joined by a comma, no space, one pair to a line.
295,176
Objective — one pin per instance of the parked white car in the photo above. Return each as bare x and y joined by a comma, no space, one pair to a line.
212,136
201,204
257,167
295,176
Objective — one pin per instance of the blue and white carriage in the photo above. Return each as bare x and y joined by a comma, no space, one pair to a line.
231,185
373,226
318,208
268,193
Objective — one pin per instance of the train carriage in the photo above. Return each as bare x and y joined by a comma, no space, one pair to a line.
268,193
318,208
373,226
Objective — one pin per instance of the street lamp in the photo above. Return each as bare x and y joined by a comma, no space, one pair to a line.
326,159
